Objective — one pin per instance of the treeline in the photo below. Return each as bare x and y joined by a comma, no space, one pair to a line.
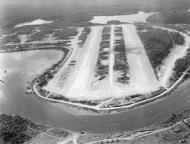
102,69
43,32
120,61
170,17
65,33
177,117
181,66
158,44
11,39
13,129
39,36
86,31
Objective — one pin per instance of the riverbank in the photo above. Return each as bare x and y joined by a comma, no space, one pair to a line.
102,107
96,110
90,110
58,115
178,124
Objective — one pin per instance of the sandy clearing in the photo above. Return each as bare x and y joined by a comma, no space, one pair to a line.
35,22
111,57
177,52
72,139
76,56
142,77
169,63
131,18
49,38
79,82
54,84
23,38
84,71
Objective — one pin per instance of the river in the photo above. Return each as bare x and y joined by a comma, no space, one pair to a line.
22,67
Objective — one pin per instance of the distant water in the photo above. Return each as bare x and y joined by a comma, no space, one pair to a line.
131,18
35,22
22,67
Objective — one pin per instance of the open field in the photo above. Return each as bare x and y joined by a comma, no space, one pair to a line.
141,72
80,84
122,55
58,81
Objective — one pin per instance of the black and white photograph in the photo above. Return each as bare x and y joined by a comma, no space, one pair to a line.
94,71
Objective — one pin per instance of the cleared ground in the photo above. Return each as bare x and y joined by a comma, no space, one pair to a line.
142,77
57,83
81,77
179,51
111,62
76,78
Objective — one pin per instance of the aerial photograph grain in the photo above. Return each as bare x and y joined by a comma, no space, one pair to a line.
94,71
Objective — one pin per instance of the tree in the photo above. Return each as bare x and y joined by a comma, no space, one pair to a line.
12,129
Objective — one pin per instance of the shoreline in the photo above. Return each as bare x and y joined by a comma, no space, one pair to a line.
98,111
90,108
94,110
173,122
